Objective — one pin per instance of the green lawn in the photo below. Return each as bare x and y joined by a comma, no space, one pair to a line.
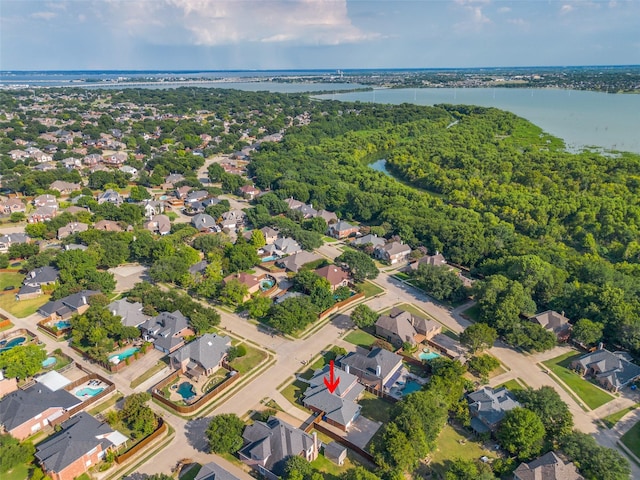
632,439
452,444
401,276
8,279
513,384
148,374
330,470
611,420
253,358
328,239
360,338
473,313
370,289
592,396
191,473
106,404
375,408
293,392
17,473
23,308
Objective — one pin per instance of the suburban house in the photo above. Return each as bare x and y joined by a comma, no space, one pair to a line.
107,226
549,466
43,214
377,368
296,261
41,276
338,408
68,306
342,229
71,228
336,276
393,252
327,216
488,406
45,200
203,221
232,219
115,160
92,159
268,446
202,357
199,267
612,370
211,471
436,260
130,313
152,207
282,246
65,187
554,322
400,326
25,412
270,235
160,224
129,169
251,281
10,239
248,191
166,331
110,196
81,444
293,204
196,196
369,239
12,205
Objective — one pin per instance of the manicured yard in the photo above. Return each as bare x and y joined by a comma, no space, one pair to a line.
329,239
473,313
106,404
452,444
253,358
293,392
632,439
375,408
401,276
330,470
17,473
23,308
611,420
513,384
148,374
591,395
191,473
10,279
370,289
360,338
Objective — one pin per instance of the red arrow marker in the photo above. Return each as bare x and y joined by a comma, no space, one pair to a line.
331,383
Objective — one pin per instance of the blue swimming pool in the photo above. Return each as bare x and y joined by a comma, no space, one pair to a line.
129,352
49,361
186,390
269,259
14,342
410,387
428,355
267,283
88,392
62,324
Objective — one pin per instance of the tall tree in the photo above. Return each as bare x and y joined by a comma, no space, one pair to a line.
521,433
225,433
478,336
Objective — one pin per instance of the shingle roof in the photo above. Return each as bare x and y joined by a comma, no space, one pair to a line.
547,467
164,327
333,274
211,471
131,313
611,365
208,350
490,405
22,405
41,275
296,261
552,320
368,362
79,435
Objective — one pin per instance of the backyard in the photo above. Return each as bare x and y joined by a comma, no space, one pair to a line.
252,359
10,279
360,338
592,396
375,408
452,444
22,308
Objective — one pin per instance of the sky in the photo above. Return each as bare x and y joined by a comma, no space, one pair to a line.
315,34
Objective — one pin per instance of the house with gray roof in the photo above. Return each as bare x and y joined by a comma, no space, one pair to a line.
327,216
202,357
342,229
436,260
41,276
71,228
203,221
81,444
612,370
547,467
211,471
286,246
270,235
25,412
400,326
369,239
487,408
268,446
296,261
554,322
12,238
393,252
166,331
130,313
110,196
339,408
66,307
377,368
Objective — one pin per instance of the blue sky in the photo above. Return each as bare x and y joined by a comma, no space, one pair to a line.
321,34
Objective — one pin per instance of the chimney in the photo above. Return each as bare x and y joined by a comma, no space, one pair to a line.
378,370
346,368
562,313
84,300
315,442
600,346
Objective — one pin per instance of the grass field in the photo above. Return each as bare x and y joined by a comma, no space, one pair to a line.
375,408
371,289
10,279
592,396
473,313
330,470
106,404
17,473
611,420
632,439
191,473
253,358
452,444
23,308
513,384
148,374
294,391
360,338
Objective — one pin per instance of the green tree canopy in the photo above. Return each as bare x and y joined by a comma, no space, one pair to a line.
225,433
363,316
521,433
478,336
22,362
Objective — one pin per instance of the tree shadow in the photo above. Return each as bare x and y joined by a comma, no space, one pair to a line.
195,430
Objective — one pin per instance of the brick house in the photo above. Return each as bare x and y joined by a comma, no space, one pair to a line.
202,357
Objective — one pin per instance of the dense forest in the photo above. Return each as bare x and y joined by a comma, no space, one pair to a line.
544,227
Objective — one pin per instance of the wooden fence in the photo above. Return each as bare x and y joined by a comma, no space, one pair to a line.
114,367
162,427
340,305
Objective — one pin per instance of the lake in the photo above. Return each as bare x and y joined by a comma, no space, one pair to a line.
580,118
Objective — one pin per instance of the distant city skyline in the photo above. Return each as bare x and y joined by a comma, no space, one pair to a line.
315,34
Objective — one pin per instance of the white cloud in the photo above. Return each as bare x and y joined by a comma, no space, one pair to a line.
566,8
44,15
504,9
224,22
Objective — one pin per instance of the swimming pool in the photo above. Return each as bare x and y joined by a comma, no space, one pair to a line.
129,352
186,390
410,387
269,259
428,355
62,325
88,392
267,283
49,361
14,342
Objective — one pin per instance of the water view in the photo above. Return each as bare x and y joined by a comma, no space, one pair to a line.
580,118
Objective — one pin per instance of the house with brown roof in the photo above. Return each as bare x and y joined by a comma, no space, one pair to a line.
270,235
65,187
554,322
400,326
42,214
45,200
393,252
336,276
249,191
251,281
12,205
115,160
71,228
160,224
547,467
107,226
436,260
